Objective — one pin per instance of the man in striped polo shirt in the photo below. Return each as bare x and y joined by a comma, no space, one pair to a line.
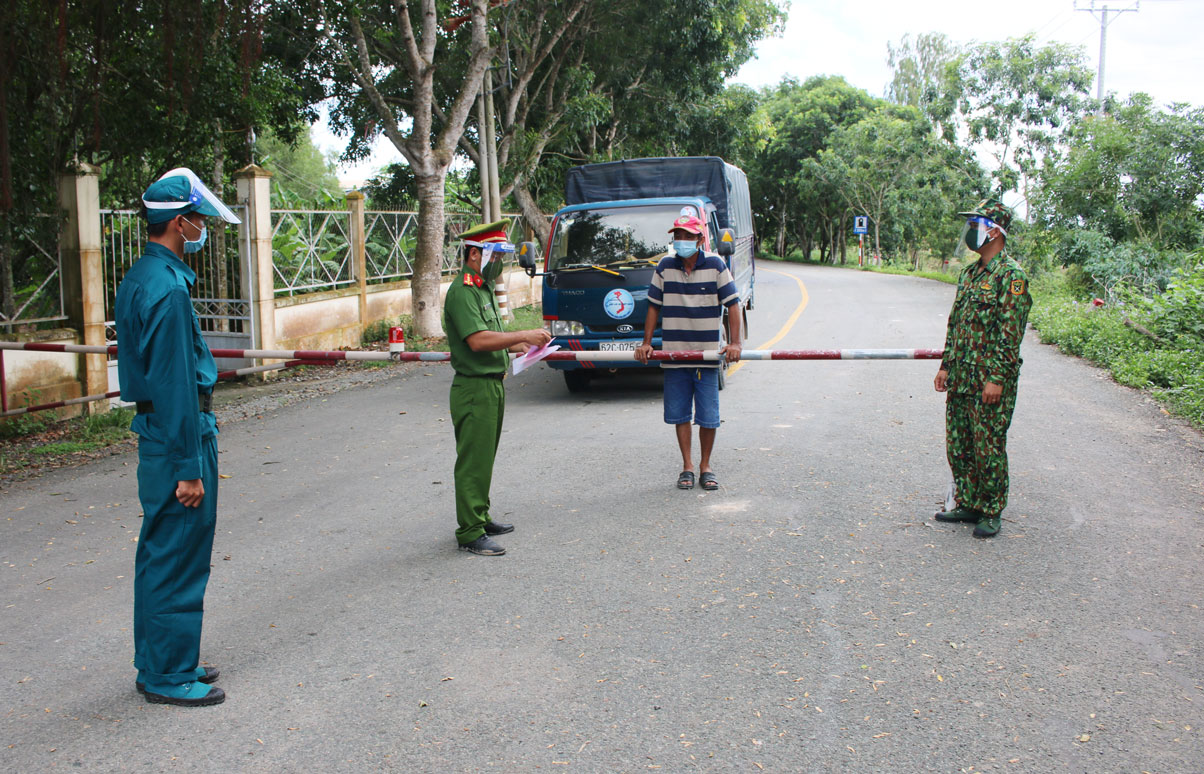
688,294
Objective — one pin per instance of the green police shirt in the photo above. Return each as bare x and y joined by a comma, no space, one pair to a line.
986,325
470,307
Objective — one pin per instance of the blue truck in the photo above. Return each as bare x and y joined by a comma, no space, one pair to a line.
606,243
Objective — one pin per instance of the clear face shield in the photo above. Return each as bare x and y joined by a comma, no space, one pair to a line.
200,193
975,236
493,255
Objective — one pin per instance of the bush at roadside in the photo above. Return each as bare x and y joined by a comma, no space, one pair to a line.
1149,342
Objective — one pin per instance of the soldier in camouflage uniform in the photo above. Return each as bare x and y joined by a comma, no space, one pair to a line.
980,368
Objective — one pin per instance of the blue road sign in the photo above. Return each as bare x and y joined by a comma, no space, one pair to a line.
861,224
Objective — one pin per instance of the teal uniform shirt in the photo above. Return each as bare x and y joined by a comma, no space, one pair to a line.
163,359
477,399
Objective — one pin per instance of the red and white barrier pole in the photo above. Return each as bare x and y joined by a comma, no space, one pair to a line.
59,404
587,355
320,357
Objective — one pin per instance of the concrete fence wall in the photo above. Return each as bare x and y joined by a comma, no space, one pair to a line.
331,319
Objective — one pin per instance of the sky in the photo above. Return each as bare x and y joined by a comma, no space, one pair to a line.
1156,48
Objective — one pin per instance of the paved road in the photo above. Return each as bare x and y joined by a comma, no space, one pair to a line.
809,617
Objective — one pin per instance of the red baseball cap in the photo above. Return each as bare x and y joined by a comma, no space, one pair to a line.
690,223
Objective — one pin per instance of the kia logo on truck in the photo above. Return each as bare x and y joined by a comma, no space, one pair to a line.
625,329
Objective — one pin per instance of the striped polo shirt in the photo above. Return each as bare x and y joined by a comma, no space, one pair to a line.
691,303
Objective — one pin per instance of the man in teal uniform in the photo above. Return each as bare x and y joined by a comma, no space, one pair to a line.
165,368
980,368
478,400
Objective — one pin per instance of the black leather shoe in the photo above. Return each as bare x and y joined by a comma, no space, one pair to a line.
497,528
210,677
483,546
214,696
960,513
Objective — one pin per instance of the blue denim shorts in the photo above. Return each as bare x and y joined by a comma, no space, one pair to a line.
696,388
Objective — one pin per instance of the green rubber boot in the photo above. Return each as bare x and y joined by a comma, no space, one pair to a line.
988,526
960,513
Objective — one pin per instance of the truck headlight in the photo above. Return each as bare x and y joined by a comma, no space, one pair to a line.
565,328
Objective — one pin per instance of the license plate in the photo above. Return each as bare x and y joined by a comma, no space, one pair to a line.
616,346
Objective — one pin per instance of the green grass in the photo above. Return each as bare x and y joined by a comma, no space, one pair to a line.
526,318
939,276
1172,373
45,438
797,257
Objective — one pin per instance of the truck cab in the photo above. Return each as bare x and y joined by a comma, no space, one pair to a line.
601,256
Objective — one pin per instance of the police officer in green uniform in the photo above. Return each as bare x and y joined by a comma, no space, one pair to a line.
980,367
478,400
165,368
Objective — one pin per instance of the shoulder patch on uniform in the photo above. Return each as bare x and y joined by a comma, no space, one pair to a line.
1019,286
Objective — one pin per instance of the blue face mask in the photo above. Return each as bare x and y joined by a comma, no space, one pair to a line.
685,248
191,246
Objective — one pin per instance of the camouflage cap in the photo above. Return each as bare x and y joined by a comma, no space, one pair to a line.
993,209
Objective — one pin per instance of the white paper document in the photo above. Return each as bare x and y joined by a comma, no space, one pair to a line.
531,357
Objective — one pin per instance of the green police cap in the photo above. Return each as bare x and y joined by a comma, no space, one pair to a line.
487,232
992,209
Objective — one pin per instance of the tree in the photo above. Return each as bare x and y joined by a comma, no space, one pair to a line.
134,88
301,175
881,159
590,80
1015,100
921,69
1133,173
790,198
397,71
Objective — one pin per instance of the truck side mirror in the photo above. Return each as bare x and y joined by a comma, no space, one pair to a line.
727,242
526,257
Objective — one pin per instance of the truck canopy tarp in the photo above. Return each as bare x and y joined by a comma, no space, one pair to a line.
724,184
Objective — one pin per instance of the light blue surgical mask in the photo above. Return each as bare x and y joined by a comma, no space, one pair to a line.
191,246
685,248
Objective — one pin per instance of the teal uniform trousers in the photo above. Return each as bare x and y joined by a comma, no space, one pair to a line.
164,365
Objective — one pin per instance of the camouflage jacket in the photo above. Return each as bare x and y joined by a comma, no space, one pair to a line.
986,325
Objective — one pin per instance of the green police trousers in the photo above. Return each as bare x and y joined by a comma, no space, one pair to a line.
171,567
976,436
477,404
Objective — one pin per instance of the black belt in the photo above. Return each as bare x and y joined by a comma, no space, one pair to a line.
204,401
500,375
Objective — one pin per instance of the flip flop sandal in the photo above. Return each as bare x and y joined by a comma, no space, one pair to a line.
686,480
709,482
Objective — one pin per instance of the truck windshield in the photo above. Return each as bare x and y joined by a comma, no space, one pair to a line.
613,237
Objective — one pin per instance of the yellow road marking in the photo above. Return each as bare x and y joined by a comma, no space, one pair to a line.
802,304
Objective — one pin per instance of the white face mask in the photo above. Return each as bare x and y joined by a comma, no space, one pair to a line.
195,245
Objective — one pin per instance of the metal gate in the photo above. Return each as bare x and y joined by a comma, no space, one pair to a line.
220,296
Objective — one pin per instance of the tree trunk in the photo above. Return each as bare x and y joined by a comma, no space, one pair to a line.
781,240
425,285
8,298
532,215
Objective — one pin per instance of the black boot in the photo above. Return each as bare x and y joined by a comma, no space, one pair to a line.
960,513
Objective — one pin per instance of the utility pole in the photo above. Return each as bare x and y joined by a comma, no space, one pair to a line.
1103,9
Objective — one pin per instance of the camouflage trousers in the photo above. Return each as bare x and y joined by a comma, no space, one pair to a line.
976,444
